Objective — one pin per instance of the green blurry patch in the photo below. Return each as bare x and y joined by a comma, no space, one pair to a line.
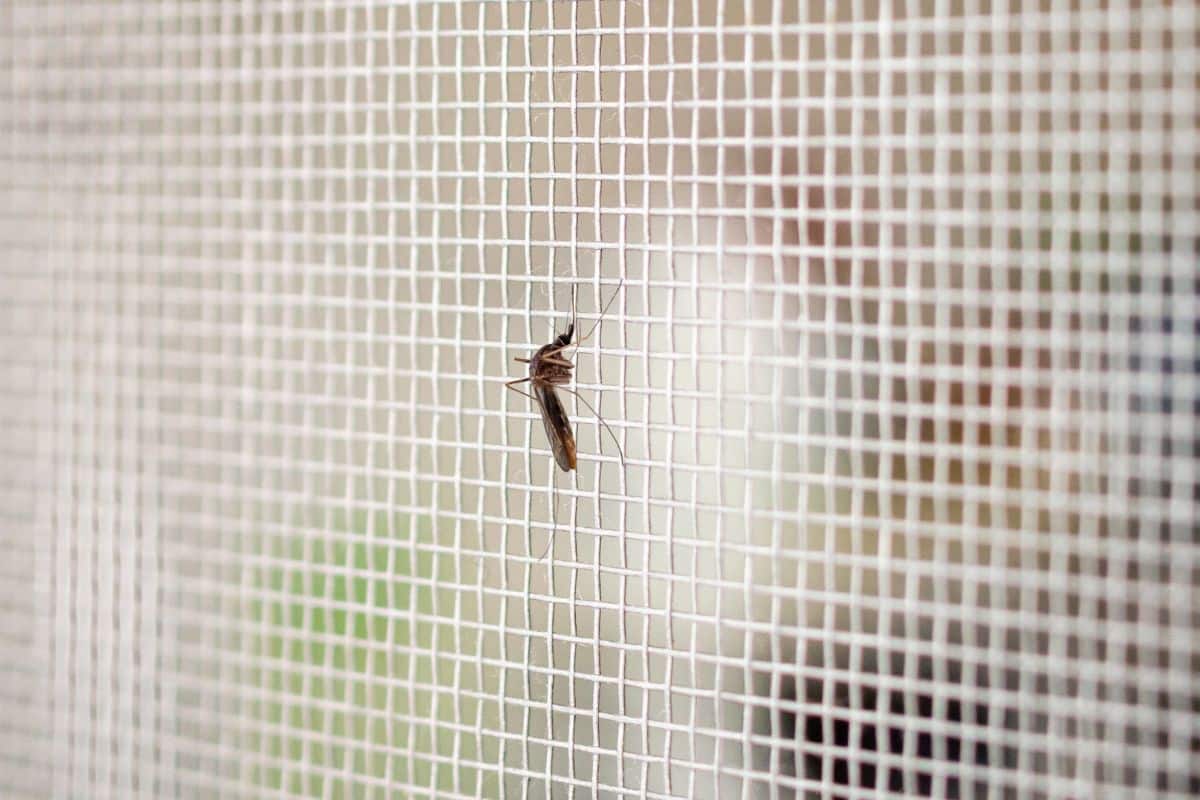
353,690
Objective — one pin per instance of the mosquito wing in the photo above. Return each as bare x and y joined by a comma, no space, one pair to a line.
558,426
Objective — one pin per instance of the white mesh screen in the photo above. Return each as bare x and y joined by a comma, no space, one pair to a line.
904,370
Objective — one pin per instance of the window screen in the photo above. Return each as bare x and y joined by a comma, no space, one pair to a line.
898,490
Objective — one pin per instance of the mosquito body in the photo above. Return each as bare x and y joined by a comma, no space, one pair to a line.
549,370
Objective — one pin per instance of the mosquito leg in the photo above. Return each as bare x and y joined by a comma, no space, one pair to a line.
513,385
527,394
553,515
607,427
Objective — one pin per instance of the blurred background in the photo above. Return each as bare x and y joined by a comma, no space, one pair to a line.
904,368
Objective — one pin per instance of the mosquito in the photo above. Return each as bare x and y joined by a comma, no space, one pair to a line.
550,370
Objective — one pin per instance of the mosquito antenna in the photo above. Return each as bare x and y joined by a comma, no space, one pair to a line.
607,427
574,304
603,311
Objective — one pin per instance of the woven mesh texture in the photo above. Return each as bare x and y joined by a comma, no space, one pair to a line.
901,363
